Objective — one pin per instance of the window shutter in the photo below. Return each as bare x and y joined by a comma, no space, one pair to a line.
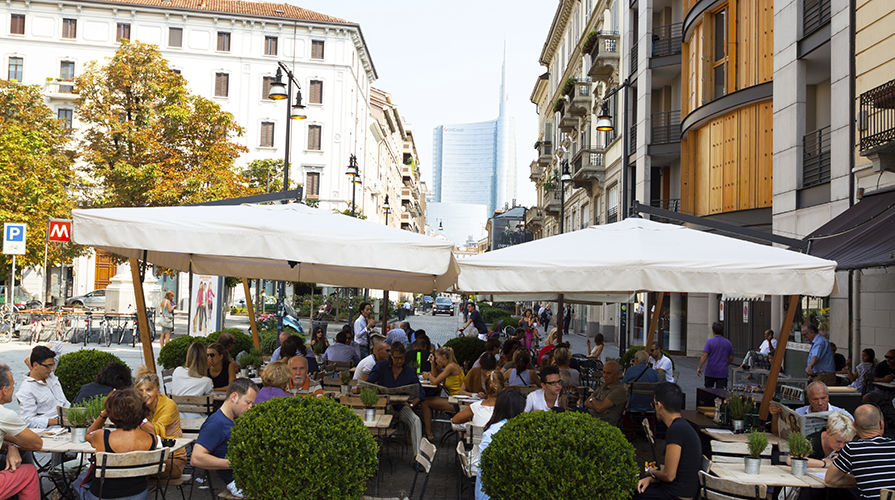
175,37
222,85
265,87
313,184
316,92
17,24
317,49
267,129
223,41
314,137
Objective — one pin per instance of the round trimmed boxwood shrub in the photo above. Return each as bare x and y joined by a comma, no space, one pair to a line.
628,358
466,349
243,342
268,339
80,367
492,314
301,448
565,455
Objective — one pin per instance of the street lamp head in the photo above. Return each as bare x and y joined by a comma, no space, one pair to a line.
277,90
352,167
566,177
440,227
298,109
604,121
385,207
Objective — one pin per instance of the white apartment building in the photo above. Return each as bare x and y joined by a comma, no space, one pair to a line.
228,52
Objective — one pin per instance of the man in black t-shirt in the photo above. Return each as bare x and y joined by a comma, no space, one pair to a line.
475,317
884,372
682,445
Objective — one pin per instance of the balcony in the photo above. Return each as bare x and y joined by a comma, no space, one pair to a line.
407,175
588,168
816,158
545,153
580,99
877,119
534,219
60,89
536,172
612,215
667,40
604,56
666,127
815,14
552,205
568,123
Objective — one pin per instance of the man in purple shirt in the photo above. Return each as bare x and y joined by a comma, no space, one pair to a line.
719,354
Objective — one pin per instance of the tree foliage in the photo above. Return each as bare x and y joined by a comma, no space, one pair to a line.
265,176
37,179
149,140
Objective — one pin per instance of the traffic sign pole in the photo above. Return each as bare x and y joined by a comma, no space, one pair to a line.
46,287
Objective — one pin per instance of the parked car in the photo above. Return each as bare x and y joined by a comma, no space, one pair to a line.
443,305
22,299
96,298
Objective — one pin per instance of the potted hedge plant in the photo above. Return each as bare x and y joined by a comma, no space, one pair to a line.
559,105
250,362
275,454
590,41
568,86
345,377
738,407
566,455
799,450
369,398
77,418
757,442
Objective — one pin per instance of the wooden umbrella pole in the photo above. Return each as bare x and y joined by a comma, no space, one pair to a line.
148,356
560,320
250,309
385,312
779,353
654,321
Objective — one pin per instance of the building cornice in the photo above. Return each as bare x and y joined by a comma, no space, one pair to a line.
557,29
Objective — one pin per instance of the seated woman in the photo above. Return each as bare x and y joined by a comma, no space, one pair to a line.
276,379
164,416
190,379
221,369
827,443
474,383
113,376
552,341
127,410
522,372
319,342
509,404
445,369
480,411
505,361
859,376
597,351
562,356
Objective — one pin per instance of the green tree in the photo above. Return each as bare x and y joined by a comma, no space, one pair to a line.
37,179
265,176
148,140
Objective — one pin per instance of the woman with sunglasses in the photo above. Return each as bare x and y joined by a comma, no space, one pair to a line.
221,369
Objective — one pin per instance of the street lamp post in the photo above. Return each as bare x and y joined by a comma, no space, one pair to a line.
353,172
279,92
563,179
387,209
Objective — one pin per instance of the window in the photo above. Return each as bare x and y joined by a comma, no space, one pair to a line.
316,49
719,54
270,45
223,41
316,92
15,69
175,37
175,71
267,134
65,116
123,31
69,28
265,87
612,205
67,73
312,185
17,24
314,137
221,85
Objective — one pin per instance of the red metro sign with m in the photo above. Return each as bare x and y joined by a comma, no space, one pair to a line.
59,230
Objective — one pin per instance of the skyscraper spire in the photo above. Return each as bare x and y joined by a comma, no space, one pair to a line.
504,96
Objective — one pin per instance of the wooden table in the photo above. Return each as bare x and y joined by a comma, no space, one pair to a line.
771,475
729,437
382,420
64,445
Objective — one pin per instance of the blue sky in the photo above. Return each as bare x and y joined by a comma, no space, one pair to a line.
441,63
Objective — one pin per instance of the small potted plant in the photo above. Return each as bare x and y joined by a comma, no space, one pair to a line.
799,450
738,407
369,398
250,362
345,377
77,418
757,442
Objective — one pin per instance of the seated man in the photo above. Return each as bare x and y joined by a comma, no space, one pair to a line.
17,479
547,396
861,463
210,450
683,452
659,361
818,401
301,384
381,352
640,372
394,373
398,333
492,345
341,350
608,402
884,372
765,351
276,356
41,392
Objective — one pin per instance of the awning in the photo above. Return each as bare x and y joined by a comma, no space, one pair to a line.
862,236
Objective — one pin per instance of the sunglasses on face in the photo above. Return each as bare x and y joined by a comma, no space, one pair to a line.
211,355
555,382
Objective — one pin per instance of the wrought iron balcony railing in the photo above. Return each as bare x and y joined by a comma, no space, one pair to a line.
667,39
877,118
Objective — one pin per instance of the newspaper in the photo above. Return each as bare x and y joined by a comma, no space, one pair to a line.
412,390
790,421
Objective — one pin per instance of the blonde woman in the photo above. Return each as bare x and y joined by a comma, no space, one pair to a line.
192,378
446,370
166,318
480,412
827,443
164,416
276,379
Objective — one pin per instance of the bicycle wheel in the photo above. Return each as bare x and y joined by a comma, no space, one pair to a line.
5,329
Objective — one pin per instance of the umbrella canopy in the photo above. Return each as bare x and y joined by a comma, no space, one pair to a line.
290,242
641,255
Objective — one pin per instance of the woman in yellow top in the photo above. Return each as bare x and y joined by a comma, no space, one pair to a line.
446,370
164,415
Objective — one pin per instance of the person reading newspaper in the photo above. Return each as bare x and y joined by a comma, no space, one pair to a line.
818,409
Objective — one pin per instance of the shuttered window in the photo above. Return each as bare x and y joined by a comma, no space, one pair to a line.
316,49
316,92
175,37
265,87
17,24
123,31
221,85
69,28
267,134
314,137
270,45
312,185
223,41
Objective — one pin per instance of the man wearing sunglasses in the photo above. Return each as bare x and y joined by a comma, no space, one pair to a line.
884,372
41,391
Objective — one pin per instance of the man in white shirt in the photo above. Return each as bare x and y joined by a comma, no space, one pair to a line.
765,350
659,361
17,479
818,401
548,395
363,326
381,352
41,392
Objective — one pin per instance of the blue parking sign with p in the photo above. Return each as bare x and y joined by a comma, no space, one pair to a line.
14,238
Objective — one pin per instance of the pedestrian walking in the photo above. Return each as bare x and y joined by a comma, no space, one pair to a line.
716,356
